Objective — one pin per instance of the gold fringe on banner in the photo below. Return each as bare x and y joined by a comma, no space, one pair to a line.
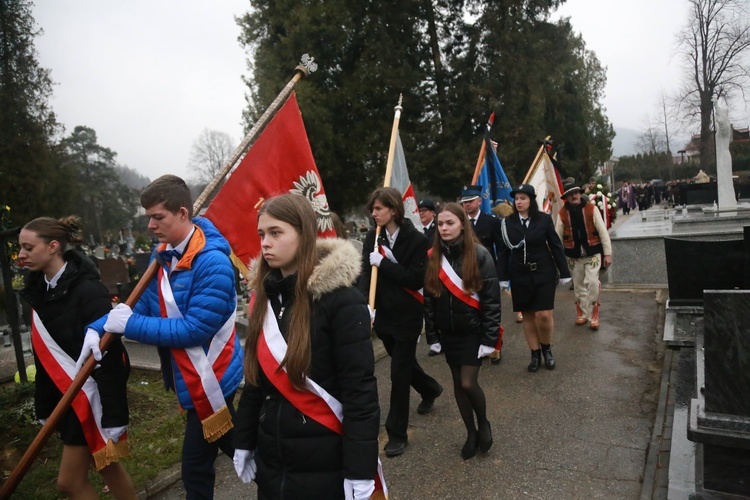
217,425
112,452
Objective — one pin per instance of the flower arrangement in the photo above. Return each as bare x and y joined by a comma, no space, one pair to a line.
603,199
11,249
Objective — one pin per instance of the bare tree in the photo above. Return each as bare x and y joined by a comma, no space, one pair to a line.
715,46
651,141
208,154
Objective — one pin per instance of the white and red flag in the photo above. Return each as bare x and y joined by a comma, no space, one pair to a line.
400,180
280,161
547,184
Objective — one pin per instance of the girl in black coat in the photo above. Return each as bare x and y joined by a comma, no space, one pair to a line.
66,294
532,259
304,292
462,312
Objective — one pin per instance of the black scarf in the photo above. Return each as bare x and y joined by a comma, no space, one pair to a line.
578,226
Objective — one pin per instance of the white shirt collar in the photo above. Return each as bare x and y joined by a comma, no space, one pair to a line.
181,247
392,237
53,282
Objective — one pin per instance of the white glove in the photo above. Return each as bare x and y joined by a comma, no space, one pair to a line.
358,489
90,346
565,281
436,347
484,350
504,285
118,319
42,421
115,433
375,259
244,465
372,313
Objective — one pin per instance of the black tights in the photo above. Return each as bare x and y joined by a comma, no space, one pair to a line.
469,396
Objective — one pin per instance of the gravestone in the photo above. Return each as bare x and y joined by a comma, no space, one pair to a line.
113,273
726,196
720,413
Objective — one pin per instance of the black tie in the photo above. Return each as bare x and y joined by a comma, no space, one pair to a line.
426,228
525,222
473,222
168,254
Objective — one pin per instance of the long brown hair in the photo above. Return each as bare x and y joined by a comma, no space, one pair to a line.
470,275
296,211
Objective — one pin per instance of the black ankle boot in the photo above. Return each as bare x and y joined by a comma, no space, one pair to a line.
484,439
536,360
549,360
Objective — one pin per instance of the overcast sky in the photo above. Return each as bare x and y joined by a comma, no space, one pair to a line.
150,75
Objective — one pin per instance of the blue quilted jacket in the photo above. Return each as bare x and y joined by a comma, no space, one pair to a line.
204,290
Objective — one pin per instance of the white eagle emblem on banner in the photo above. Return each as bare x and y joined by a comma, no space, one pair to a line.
310,186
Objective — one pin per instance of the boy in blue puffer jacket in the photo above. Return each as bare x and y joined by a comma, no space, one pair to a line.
188,312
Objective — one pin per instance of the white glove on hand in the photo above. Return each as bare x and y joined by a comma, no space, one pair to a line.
372,313
244,465
504,285
375,259
565,281
358,489
436,347
484,350
42,421
90,346
118,318
114,433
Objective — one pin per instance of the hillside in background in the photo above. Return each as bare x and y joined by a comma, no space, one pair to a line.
625,142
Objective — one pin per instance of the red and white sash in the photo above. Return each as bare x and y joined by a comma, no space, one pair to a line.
455,284
202,371
316,402
388,254
87,405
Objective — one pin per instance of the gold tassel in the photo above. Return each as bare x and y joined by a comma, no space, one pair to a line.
217,424
378,495
112,452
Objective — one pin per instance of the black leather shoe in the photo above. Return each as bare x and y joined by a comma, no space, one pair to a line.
427,404
395,448
484,440
496,361
536,360
549,360
470,447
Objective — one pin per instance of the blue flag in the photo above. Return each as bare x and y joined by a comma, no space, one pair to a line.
495,186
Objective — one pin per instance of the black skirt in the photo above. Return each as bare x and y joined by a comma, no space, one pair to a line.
539,297
460,348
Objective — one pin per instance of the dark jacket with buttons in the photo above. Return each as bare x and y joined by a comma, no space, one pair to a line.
447,314
487,229
78,299
544,254
397,312
296,456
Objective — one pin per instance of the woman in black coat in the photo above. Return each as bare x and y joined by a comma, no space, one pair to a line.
532,260
311,429
462,312
65,292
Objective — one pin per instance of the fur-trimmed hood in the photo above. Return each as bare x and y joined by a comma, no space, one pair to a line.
339,265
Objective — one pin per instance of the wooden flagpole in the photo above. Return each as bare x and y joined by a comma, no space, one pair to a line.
482,151
386,183
534,164
306,66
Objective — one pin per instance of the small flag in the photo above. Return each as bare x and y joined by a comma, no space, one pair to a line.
400,180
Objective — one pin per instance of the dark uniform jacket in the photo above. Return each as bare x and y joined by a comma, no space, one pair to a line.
545,258
296,456
398,312
447,314
78,299
487,229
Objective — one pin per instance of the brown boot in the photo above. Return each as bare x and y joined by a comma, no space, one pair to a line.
580,316
594,323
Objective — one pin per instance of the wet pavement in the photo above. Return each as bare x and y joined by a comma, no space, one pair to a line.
580,431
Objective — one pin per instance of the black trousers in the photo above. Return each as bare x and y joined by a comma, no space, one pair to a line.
405,373
198,455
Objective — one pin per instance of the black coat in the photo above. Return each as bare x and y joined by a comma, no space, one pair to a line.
397,312
543,248
296,456
78,299
487,228
447,314
430,233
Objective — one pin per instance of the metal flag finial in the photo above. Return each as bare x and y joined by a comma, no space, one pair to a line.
400,100
308,63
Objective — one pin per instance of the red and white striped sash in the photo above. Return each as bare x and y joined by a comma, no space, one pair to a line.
316,402
87,405
388,254
202,371
455,284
